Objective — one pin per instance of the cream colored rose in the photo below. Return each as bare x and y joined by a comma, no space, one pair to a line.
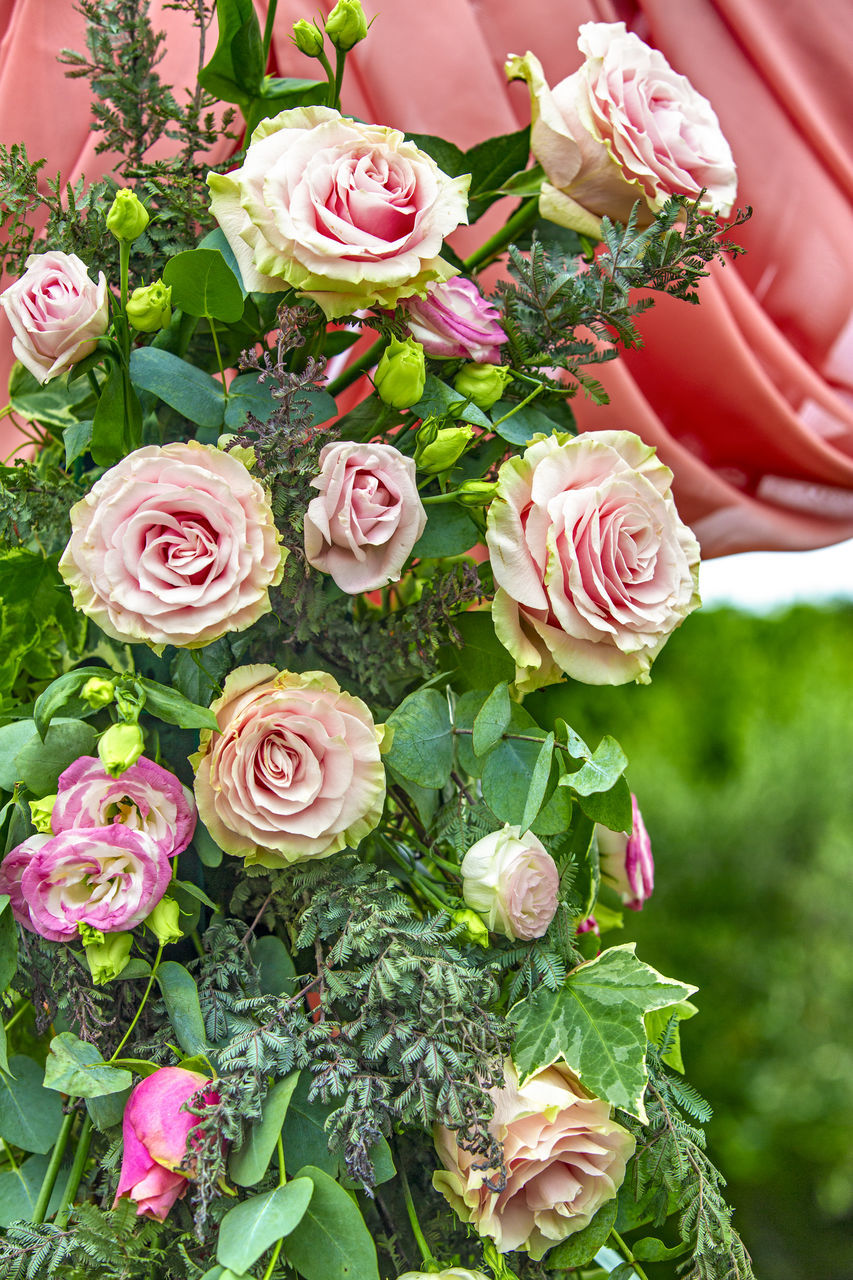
512,881
294,771
57,313
564,1158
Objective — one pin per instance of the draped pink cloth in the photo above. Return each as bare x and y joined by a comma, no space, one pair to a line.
749,397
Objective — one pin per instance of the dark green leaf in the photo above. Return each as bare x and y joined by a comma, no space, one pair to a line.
523,424
304,1133
188,390
491,163
276,972
332,1241
180,995
425,799
509,766
117,424
650,1249
450,531
539,779
204,285
216,239
383,1166
422,747
19,1190
174,708
611,808
247,395
60,692
248,1165
39,764
580,1248
198,673
77,439
77,1068
30,1115
236,70
492,720
441,400
8,943
206,847
108,1111
527,182
253,1226
282,93
482,661
449,158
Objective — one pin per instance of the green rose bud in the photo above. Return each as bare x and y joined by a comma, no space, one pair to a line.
89,935
401,373
127,217
41,811
308,38
109,957
98,693
442,452
476,493
120,747
164,921
346,24
474,926
149,307
482,384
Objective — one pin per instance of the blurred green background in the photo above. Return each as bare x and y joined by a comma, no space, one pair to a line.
741,756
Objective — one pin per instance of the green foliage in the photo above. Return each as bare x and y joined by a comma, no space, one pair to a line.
331,1241
253,1225
77,1069
490,163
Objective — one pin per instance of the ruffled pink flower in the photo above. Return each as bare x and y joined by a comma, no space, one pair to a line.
368,517
57,313
106,877
145,798
512,881
453,319
157,1139
174,545
12,869
627,860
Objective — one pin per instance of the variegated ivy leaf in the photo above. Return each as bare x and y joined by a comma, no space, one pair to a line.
594,1023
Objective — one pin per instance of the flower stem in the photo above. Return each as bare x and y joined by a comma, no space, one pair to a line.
524,216
340,63
515,408
19,1012
273,5
282,1177
364,362
219,363
629,1257
76,1174
53,1169
145,995
124,269
429,1260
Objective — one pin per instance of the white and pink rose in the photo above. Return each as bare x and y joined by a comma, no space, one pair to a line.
626,860
57,313
512,881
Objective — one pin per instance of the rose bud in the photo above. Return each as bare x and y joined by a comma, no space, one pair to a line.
452,1273
476,493
475,930
401,373
157,1137
127,217
98,692
56,312
627,860
454,320
441,453
41,811
108,958
308,38
120,747
512,880
482,384
164,922
346,25
149,307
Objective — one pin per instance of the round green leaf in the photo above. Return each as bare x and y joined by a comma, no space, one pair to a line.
253,1226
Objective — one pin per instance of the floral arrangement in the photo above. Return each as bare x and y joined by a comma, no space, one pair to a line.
307,874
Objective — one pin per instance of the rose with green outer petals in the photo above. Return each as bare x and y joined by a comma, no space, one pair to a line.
294,771
593,564
351,214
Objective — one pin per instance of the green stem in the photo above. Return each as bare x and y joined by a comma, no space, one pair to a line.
353,371
219,363
450,496
540,387
76,1174
53,1169
273,5
19,1013
453,867
524,217
93,382
629,1257
281,1181
429,1260
340,63
145,995
330,75
7,1151
124,269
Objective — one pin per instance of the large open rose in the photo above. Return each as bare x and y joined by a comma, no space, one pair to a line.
593,565
625,127
57,313
174,545
564,1158
295,770
349,213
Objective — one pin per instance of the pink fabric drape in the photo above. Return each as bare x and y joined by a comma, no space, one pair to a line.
749,397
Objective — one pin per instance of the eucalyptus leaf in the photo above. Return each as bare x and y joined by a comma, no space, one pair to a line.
440,400
250,1162
612,809
39,764
77,1068
254,1225
180,995
276,972
492,720
304,1133
204,285
30,1115
450,531
117,424
19,1190
184,387
539,779
332,1241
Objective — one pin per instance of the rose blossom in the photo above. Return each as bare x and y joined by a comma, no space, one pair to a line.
512,880
157,1134
455,320
294,771
452,1273
368,517
144,798
57,313
623,128
106,877
174,545
564,1159
627,860
594,567
351,214
11,871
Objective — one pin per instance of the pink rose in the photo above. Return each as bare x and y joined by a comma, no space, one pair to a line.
349,213
12,869
174,545
625,127
106,877
564,1158
627,860
455,320
145,798
512,881
594,567
57,313
157,1135
295,770
368,517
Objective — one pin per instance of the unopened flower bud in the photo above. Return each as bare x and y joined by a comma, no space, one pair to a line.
482,384
164,921
120,747
109,957
476,493
474,926
446,449
308,38
346,24
89,935
98,692
127,217
149,307
41,811
401,373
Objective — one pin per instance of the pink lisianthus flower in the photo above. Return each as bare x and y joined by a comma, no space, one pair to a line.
12,869
144,798
455,320
157,1139
106,877
57,313
627,860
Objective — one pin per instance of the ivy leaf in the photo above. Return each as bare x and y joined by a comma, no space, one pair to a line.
594,1023
77,1068
422,747
250,1228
